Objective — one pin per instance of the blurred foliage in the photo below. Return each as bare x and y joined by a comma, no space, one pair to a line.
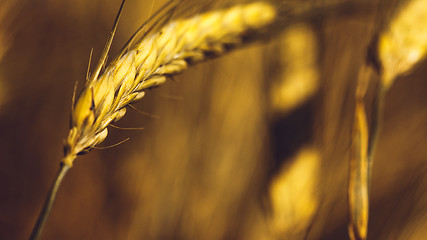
299,78
216,151
293,194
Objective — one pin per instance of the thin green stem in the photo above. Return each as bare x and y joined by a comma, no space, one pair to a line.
41,221
377,119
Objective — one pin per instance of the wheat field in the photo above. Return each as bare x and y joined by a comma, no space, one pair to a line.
254,144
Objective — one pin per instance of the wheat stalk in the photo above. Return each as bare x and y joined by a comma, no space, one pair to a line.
399,48
149,63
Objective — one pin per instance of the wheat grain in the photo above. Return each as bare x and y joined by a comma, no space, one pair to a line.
150,62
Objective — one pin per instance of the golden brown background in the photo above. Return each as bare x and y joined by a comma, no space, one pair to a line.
218,148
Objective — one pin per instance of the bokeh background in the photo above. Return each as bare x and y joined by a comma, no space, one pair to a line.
251,145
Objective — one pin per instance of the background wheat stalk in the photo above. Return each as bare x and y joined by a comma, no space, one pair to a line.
400,46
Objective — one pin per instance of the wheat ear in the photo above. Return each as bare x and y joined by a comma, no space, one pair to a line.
149,63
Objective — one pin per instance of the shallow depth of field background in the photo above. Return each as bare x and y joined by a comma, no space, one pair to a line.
227,150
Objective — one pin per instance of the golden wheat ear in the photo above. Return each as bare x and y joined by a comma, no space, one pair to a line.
147,60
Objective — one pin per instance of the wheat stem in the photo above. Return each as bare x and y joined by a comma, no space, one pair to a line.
359,172
44,213
145,65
